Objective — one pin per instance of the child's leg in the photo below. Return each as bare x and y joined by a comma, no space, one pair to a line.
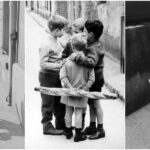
68,116
68,120
78,117
84,110
92,111
47,106
99,115
78,125
59,108
99,111
83,117
92,127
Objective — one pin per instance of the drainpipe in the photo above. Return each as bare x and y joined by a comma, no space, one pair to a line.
122,53
12,41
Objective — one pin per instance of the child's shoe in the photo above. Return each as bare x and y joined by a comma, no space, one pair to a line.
90,130
99,134
68,133
79,135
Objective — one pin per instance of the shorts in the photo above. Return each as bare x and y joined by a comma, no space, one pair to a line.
96,87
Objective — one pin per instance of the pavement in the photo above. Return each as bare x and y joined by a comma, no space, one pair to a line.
138,129
114,110
11,133
114,79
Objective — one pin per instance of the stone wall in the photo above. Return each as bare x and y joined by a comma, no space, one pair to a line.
110,14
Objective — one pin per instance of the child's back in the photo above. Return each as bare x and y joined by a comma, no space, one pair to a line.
77,76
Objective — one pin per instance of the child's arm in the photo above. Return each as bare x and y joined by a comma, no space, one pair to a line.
67,50
45,59
64,77
90,60
91,80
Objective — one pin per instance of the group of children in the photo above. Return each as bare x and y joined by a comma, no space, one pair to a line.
78,64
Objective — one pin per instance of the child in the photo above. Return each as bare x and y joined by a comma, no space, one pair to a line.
94,58
66,37
76,76
77,27
50,64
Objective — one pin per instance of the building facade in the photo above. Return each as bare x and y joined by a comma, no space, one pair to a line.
12,56
137,55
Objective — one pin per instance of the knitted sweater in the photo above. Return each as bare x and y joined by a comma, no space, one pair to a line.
93,58
50,55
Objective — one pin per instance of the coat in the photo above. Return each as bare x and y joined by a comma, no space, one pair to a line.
76,76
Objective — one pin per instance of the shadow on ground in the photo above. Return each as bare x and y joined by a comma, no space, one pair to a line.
9,129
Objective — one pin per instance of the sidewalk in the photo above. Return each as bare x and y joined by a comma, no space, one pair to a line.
114,80
11,133
137,129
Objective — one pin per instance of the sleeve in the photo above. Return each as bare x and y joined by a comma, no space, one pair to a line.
64,77
67,50
91,79
90,60
45,55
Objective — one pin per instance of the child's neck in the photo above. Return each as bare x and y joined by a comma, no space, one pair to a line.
91,41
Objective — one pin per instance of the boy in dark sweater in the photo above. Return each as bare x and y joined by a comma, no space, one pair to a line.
94,55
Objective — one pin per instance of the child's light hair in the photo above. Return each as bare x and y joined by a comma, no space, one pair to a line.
79,24
78,42
56,22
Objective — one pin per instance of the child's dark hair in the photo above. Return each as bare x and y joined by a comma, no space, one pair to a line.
95,26
56,22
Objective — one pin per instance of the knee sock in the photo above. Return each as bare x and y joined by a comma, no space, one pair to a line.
100,126
68,129
78,131
93,124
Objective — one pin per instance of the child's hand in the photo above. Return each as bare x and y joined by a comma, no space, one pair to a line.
85,88
63,62
80,87
72,56
60,64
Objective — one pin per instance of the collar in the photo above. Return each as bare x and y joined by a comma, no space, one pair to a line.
92,42
49,34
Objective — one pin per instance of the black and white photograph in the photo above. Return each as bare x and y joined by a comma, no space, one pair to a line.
137,74
75,74
12,59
